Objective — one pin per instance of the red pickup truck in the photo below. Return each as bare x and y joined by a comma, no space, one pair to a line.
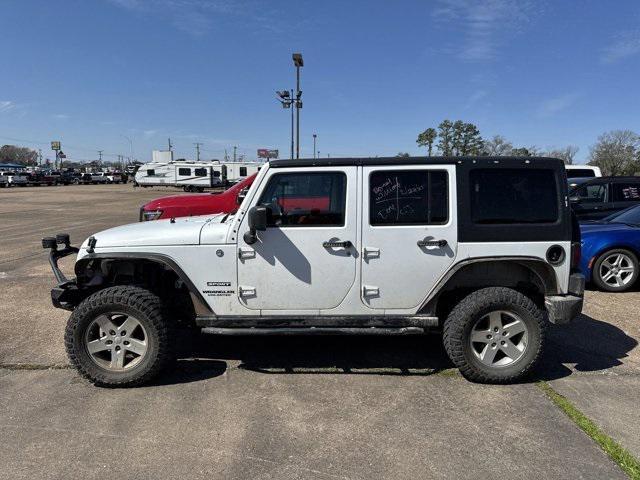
196,204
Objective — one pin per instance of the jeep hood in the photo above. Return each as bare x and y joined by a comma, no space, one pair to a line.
180,231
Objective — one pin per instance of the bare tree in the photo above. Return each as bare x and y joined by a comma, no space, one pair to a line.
616,153
566,154
497,146
20,155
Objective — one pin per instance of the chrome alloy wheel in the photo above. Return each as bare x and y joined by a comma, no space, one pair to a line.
116,341
617,270
499,338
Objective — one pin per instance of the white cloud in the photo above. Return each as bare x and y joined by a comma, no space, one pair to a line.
483,24
625,45
476,97
555,105
61,116
6,105
149,133
197,17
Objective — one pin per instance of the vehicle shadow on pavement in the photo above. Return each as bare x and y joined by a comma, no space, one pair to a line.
588,345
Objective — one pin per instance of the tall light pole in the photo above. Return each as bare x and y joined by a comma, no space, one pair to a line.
298,62
314,145
130,148
197,144
286,99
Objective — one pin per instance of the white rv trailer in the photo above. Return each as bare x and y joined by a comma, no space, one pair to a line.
234,172
194,176
191,176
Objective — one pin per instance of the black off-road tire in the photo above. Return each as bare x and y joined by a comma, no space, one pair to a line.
459,324
147,309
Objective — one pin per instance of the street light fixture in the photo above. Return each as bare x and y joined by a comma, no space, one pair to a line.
314,145
298,63
286,99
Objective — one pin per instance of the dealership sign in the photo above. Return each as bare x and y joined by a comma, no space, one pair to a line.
266,153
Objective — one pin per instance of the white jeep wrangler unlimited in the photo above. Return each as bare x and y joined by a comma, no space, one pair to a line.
483,249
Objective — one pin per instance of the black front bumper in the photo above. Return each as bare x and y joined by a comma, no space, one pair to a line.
66,295
564,308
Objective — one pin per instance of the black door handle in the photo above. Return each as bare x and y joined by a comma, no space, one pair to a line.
337,244
432,243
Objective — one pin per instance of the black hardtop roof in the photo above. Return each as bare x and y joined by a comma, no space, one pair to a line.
375,161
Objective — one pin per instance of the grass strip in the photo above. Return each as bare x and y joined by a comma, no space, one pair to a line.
625,460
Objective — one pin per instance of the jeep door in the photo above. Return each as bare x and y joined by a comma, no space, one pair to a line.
292,266
409,232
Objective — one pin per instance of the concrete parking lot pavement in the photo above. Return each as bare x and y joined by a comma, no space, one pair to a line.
290,407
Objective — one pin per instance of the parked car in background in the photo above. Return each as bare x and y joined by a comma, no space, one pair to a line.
4,180
114,177
582,171
68,178
37,179
610,250
18,179
196,204
604,196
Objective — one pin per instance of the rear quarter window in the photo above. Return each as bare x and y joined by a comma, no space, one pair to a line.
513,196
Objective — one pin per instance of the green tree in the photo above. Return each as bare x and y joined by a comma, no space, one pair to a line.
445,133
521,152
403,155
471,142
426,139
457,138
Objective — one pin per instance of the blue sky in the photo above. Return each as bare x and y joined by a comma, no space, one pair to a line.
90,72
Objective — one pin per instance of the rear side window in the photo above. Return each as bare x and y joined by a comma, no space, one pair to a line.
201,172
625,192
580,173
306,199
151,172
596,193
408,197
184,172
511,196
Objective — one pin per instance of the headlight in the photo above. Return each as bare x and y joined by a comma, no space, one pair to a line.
146,215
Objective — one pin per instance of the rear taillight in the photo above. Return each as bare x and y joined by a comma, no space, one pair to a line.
576,254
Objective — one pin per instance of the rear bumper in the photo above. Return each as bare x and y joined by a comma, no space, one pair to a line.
564,308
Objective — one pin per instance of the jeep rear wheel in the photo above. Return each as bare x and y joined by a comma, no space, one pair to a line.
495,335
119,336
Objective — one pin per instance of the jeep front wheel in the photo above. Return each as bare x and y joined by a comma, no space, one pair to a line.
495,335
119,336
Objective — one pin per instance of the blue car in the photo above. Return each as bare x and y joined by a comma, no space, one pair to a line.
610,250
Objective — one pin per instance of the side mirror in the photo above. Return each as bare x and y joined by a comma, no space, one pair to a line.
257,222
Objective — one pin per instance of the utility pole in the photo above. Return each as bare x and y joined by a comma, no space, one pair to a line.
314,146
234,152
298,62
100,156
40,156
197,144
170,146
226,155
